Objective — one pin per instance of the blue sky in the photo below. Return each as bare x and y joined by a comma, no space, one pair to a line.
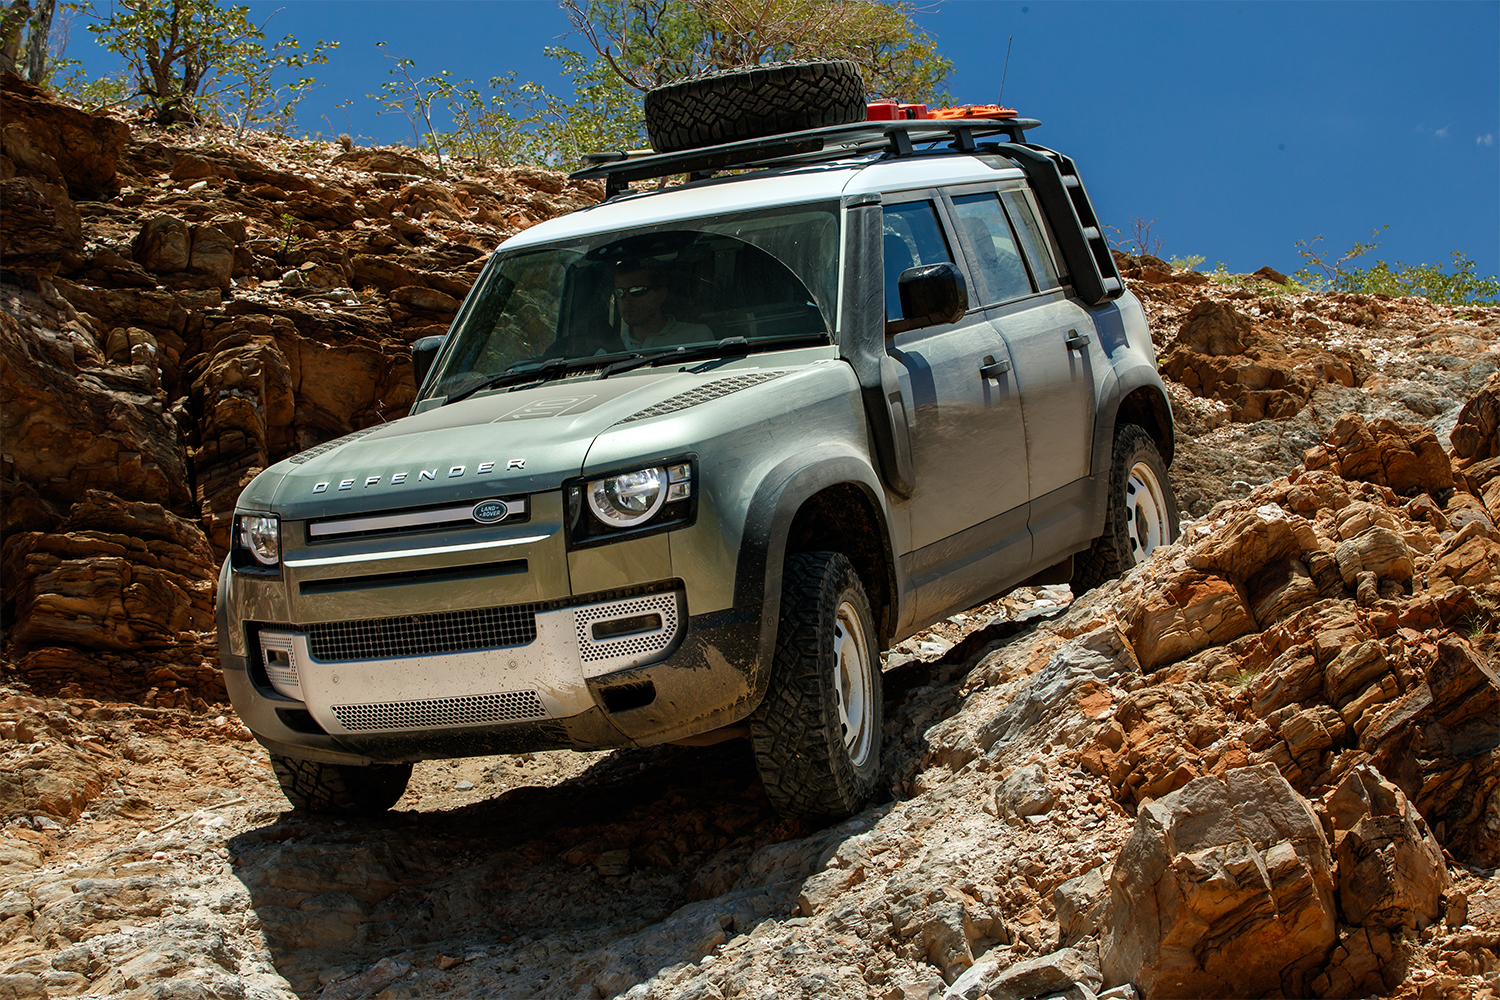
1239,127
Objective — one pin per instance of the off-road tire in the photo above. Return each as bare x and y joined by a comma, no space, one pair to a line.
751,102
340,789
796,735
1118,549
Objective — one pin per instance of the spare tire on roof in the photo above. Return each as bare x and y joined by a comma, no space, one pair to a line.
753,101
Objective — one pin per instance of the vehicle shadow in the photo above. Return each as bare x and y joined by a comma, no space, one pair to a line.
545,889
535,878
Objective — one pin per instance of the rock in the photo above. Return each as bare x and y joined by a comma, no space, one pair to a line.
378,976
164,245
1272,275
1080,903
1215,329
387,161
212,256
1469,558
1366,962
70,421
1188,612
429,299
1476,433
1405,457
1037,977
1223,888
548,181
40,229
42,136
1024,793
1390,869
22,986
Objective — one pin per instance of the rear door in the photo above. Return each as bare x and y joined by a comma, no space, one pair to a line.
1052,342
1055,345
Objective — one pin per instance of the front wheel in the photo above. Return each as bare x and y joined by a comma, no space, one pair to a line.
1142,511
817,736
340,789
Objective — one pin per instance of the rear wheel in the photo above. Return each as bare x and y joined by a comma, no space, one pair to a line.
817,736
1141,515
753,101
347,789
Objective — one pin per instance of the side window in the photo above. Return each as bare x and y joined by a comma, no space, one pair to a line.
998,261
913,236
1033,239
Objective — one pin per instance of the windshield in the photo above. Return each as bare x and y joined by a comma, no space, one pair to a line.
761,275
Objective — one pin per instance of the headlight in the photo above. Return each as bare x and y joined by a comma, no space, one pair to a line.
632,502
630,499
257,542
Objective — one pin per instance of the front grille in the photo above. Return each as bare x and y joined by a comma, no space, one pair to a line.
421,635
471,710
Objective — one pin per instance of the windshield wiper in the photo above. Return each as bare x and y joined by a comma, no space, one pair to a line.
728,348
546,372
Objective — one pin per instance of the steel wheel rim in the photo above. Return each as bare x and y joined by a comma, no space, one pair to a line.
1146,512
851,682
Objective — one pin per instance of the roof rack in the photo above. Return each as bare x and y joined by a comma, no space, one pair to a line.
1053,176
815,145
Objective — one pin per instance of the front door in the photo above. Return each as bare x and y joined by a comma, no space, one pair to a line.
967,511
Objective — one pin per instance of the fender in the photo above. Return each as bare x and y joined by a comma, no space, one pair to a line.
773,507
1124,380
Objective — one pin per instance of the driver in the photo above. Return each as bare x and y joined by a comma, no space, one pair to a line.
641,292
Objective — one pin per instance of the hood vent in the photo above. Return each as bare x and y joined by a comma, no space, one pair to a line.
327,446
702,394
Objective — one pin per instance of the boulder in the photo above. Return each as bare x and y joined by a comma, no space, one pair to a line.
164,245
1390,868
1223,888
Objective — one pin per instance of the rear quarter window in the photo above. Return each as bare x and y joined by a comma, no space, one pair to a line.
1044,263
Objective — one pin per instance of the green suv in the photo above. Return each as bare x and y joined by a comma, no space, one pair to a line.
689,459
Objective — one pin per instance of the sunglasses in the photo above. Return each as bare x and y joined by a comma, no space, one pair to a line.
634,291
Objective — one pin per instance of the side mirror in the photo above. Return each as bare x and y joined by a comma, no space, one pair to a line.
931,294
423,353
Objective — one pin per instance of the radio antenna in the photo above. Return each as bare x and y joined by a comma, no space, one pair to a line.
1008,44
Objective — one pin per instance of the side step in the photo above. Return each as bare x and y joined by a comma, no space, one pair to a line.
1061,193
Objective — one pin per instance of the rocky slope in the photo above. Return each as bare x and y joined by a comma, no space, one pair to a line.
1264,763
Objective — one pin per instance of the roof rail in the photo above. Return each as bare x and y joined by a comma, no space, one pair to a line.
815,145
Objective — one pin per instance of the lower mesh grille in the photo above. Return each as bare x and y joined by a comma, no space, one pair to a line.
472,710
420,635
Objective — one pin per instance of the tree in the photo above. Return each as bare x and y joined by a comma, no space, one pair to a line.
34,22
648,43
189,57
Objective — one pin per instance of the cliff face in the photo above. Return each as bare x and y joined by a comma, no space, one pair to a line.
1263,763
177,315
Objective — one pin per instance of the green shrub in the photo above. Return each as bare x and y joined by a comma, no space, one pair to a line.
1462,287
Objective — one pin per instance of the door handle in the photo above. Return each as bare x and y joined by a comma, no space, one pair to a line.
1077,341
992,368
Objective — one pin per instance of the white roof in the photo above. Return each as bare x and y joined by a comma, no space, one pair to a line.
783,186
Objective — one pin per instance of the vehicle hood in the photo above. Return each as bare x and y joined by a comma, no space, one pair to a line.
490,445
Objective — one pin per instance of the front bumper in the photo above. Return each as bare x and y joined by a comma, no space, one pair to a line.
607,671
